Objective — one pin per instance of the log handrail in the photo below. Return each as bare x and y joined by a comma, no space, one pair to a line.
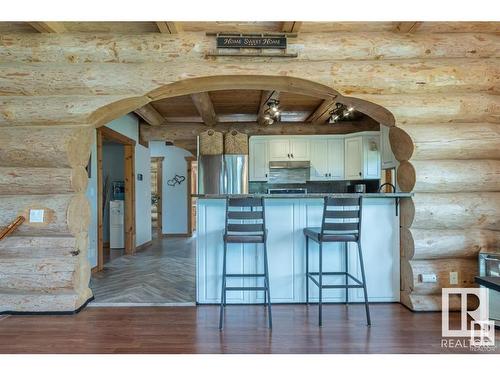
11,227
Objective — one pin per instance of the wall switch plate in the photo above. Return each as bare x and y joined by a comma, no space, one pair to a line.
36,216
429,277
453,278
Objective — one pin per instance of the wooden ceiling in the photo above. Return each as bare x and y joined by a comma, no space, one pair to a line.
230,106
246,27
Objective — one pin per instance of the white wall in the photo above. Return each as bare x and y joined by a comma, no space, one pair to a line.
174,197
127,125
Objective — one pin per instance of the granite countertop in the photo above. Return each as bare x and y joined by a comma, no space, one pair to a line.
306,195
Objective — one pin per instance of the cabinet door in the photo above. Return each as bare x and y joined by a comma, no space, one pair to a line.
371,156
279,149
353,158
259,162
319,159
299,149
335,159
387,157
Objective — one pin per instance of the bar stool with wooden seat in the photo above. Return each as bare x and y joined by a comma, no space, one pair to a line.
245,223
341,223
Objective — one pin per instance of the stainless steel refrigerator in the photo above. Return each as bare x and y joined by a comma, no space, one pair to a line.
223,174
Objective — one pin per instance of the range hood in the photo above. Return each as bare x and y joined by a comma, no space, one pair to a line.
288,172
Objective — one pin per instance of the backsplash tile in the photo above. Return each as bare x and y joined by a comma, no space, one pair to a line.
344,186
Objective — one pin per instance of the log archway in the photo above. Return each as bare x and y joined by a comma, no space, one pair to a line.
188,86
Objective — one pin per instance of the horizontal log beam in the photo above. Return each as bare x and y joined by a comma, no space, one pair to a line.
48,27
64,214
27,180
348,77
184,131
445,141
433,302
466,269
189,46
43,247
421,244
443,176
454,211
50,147
165,27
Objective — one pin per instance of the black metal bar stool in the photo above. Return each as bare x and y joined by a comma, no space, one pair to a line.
245,223
335,228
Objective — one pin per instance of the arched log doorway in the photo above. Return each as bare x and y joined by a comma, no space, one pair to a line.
245,82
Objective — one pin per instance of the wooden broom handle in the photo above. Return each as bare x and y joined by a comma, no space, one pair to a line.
11,227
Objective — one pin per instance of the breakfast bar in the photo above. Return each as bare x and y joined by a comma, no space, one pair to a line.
286,216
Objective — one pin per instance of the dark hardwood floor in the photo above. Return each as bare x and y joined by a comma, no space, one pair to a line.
194,330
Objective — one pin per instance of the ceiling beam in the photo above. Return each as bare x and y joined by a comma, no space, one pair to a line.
179,132
48,27
166,27
205,108
322,113
407,27
265,97
291,26
149,114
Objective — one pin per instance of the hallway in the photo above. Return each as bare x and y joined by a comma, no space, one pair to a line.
161,274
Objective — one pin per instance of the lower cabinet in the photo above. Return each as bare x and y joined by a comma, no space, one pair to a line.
285,220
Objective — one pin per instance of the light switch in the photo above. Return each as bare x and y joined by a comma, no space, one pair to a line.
36,216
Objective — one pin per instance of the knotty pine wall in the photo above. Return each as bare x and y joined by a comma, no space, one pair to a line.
442,89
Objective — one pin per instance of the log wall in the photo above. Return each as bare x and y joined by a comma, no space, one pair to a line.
441,88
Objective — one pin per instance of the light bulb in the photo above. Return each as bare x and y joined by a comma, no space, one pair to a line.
350,109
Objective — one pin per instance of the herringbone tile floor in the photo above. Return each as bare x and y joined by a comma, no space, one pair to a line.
162,273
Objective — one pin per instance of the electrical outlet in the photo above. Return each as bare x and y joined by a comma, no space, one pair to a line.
453,278
36,216
429,277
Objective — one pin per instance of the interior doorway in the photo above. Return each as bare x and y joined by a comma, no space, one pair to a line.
157,196
106,190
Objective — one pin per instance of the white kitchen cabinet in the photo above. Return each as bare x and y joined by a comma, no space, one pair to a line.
279,149
388,160
371,156
299,149
327,158
362,157
259,160
289,149
336,159
319,159
353,158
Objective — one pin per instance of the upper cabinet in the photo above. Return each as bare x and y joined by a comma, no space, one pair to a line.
362,156
289,149
327,158
332,157
258,160
388,159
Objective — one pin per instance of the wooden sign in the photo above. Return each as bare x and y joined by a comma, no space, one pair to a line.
267,42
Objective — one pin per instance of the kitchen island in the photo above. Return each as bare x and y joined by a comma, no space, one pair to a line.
286,216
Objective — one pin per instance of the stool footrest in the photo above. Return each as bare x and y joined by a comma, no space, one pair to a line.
245,288
337,274
245,275
358,284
